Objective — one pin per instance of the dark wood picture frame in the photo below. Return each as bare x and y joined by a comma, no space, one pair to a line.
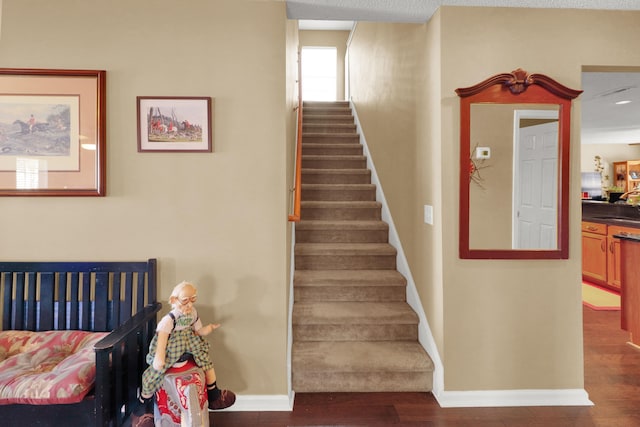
174,124
52,132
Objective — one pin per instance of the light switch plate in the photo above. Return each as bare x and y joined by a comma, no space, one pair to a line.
428,214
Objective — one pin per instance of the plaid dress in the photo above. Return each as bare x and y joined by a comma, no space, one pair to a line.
182,339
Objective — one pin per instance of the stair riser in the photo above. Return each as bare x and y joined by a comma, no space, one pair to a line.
332,150
315,111
339,195
345,262
330,139
320,213
325,119
325,104
349,293
363,382
342,236
328,128
320,163
336,178
343,332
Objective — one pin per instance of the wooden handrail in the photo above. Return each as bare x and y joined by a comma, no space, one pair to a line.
297,189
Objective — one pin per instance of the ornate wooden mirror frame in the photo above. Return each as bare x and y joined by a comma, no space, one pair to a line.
517,87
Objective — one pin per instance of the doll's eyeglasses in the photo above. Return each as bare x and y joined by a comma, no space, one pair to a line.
185,301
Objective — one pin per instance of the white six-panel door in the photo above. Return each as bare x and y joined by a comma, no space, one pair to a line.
535,186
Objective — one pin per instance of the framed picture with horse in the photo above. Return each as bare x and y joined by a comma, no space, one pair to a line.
174,124
52,132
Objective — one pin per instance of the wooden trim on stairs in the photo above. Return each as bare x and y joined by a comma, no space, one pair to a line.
297,189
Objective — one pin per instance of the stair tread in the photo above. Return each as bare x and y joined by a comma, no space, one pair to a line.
330,186
329,146
315,103
322,129
333,156
327,119
360,356
341,203
331,112
348,278
310,114
336,171
349,135
342,225
335,125
337,186
353,313
325,107
345,248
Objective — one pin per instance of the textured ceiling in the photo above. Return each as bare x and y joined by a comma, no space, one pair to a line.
422,10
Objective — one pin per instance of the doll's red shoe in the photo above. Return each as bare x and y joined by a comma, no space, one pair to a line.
226,399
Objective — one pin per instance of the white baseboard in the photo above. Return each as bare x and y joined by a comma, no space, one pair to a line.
249,403
502,398
446,399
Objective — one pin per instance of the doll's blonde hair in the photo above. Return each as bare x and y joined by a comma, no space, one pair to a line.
173,299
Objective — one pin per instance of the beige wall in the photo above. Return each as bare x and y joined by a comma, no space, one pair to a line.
502,324
385,86
426,243
337,39
217,219
516,316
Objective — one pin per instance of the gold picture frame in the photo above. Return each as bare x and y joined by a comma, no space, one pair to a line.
52,132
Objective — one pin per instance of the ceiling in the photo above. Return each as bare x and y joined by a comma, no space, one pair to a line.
603,121
419,11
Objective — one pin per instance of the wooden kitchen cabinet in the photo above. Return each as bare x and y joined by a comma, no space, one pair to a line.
601,253
630,291
613,253
594,251
624,172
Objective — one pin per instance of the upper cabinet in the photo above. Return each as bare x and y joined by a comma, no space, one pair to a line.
626,175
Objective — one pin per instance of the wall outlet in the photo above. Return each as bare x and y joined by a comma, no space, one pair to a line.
428,214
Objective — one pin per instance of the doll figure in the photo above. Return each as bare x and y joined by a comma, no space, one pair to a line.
179,335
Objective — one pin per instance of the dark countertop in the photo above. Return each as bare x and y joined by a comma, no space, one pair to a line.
611,213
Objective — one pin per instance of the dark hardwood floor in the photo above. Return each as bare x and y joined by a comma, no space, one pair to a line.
612,379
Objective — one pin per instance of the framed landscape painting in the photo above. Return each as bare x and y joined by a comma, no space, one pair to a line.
52,132
174,124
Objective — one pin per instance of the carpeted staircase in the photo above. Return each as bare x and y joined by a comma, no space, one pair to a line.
352,328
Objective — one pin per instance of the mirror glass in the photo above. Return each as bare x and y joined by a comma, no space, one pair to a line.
513,179
514,167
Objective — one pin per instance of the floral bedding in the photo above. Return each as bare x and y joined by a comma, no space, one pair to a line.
45,368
